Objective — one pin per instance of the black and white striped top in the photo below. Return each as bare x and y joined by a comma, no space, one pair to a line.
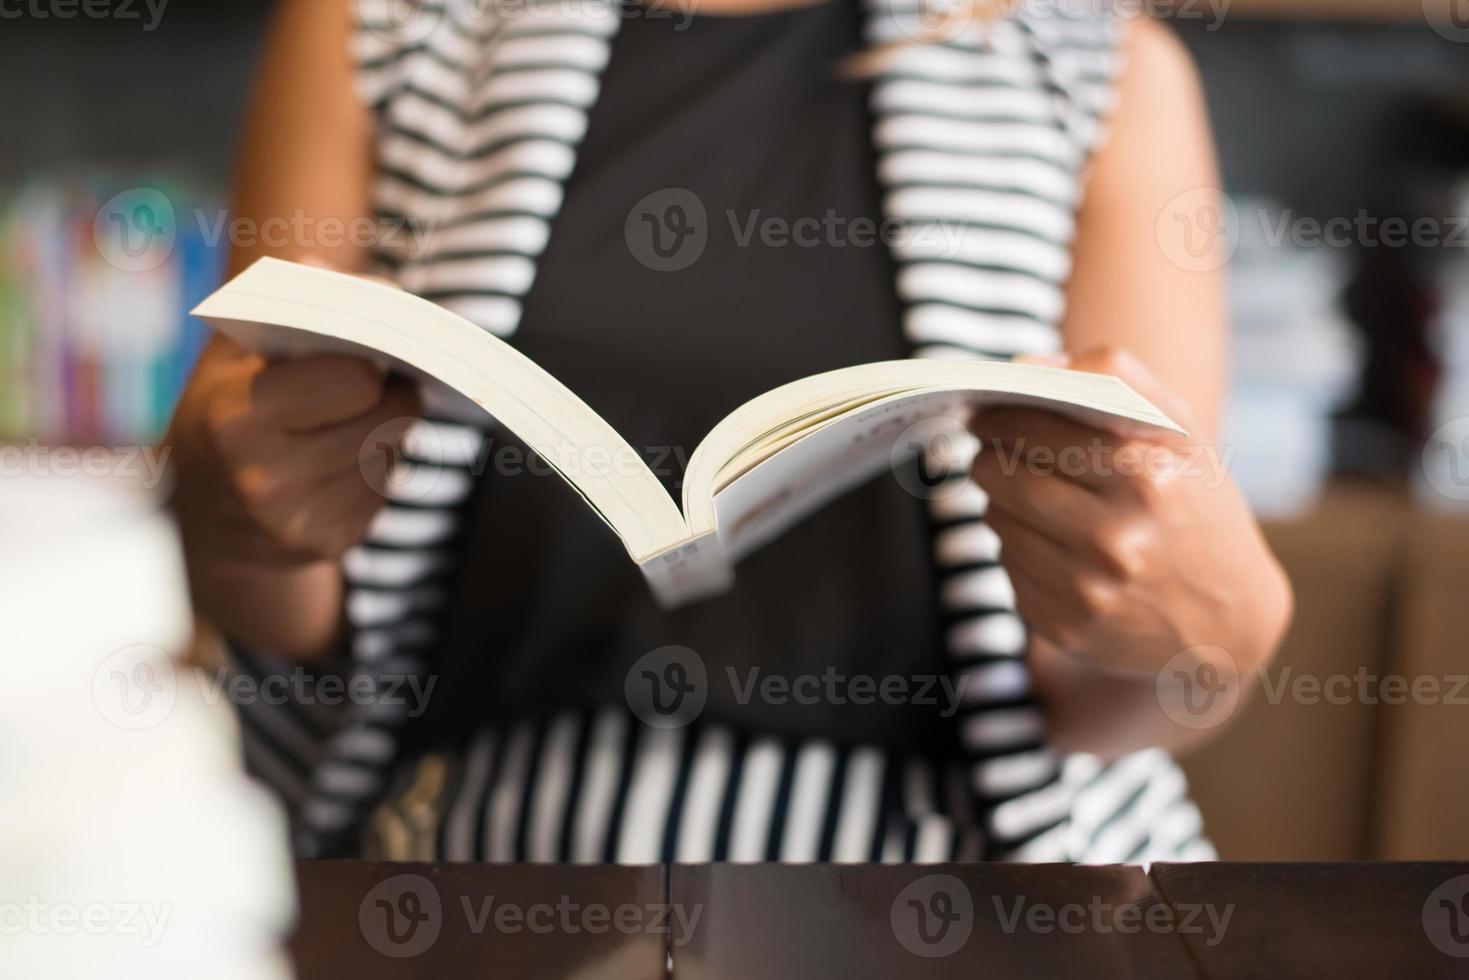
480,110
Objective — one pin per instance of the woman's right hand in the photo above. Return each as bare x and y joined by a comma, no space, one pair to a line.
276,479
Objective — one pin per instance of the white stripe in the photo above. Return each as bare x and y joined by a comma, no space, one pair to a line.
758,783
911,95
970,501
857,818
995,729
801,837
399,526
603,768
935,840
588,53
535,195
967,543
497,314
929,323
1015,818
507,273
937,167
394,568
548,158
939,282
993,682
1001,634
459,831
654,770
704,797
516,234
980,587
505,800
956,205
553,785
1012,774
414,113
974,137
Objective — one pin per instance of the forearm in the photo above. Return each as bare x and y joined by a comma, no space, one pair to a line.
293,612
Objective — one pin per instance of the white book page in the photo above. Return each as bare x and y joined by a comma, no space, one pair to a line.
277,306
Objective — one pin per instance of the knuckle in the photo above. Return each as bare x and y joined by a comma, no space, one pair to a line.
1099,598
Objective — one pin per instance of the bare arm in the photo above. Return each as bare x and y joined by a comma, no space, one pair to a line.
1126,578
270,491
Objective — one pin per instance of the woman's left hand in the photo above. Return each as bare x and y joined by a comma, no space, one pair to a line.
1127,550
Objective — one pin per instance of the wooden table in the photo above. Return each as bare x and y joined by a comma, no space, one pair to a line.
708,922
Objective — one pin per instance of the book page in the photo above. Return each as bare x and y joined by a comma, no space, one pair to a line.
277,306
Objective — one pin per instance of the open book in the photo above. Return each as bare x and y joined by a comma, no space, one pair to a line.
767,464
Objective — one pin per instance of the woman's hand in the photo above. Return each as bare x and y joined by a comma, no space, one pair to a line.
1126,550
273,485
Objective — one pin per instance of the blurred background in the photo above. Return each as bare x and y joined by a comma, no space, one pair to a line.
1343,130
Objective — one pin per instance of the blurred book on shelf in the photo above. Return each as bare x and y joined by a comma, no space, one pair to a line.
95,283
1295,361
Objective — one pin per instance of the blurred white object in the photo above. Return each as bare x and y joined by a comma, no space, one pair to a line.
131,844
1443,481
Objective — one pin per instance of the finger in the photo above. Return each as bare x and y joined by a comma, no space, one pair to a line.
356,444
1058,507
327,520
1043,441
305,393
